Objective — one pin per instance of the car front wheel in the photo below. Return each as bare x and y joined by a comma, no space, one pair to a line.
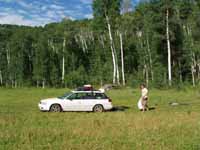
98,108
55,108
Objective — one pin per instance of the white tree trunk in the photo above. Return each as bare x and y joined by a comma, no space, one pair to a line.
117,66
85,43
150,60
146,74
198,69
8,62
193,70
193,76
112,51
12,83
8,56
180,72
193,59
122,59
169,49
52,46
15,84
1,78
63,61
102,41
117,69
82,43
38,84
43,84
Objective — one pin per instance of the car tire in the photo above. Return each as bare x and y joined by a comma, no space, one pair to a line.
98,108
55,108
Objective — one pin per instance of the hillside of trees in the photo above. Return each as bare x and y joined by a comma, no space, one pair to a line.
157,42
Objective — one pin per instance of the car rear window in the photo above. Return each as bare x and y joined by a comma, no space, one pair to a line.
100,96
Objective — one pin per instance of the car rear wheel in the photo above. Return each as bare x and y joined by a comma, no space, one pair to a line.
98,108
55,108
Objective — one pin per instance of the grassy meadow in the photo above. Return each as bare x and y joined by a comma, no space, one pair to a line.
24,127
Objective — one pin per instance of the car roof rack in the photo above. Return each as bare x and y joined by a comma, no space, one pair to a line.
93,91
86,89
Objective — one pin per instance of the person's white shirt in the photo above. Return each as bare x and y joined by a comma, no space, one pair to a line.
144,93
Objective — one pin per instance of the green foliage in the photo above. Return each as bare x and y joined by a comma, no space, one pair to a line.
76,78
34,55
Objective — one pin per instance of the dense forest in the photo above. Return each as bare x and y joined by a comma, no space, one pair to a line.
156,42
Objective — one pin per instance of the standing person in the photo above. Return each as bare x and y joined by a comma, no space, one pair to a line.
142,103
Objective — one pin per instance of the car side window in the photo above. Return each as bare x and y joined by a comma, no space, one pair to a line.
89,96
80,95
77,96
73,96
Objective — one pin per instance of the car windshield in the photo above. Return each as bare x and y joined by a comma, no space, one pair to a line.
64,96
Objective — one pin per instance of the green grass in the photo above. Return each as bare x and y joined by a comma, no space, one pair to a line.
24,127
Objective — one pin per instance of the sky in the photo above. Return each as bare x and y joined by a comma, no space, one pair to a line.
41,12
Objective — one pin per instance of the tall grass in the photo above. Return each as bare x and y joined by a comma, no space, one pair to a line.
24,127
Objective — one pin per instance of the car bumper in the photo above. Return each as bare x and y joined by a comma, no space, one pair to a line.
43,107
108,107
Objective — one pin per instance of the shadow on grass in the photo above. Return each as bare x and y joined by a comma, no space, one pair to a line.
119,108
152,108
124,108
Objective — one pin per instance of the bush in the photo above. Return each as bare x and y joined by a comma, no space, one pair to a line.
76,78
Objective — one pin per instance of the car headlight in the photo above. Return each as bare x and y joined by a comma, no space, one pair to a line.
43,103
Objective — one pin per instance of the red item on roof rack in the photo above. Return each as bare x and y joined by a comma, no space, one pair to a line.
88,88
85,88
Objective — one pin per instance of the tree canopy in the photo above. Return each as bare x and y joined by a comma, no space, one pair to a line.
118,39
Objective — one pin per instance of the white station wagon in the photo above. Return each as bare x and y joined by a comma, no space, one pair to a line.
77,101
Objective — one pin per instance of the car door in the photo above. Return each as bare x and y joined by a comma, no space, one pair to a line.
69,103
78,101
88,102
74,102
